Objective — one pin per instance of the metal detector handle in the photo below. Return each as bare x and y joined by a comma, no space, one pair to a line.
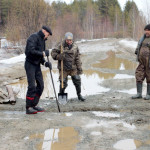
62,78
53,86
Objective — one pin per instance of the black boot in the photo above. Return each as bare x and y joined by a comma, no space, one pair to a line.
148,92
30,110
139,91
80,97
38,109
77,82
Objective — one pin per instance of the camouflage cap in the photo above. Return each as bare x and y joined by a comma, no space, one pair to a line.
69,36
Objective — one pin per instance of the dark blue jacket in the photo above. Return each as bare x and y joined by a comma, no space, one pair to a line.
34,48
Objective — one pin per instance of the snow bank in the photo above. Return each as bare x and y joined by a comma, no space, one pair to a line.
128,43
13,60
85,40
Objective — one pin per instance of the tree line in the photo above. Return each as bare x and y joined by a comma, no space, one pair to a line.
86,19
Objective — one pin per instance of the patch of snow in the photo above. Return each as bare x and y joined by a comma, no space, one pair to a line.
109,124
85,40
129,91
13,60
96,133
122,66
128,144
26,138
105,114
123,76
68,114
128,43
132,127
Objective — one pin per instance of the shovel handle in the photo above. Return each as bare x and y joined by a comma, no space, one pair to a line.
62,78
53,86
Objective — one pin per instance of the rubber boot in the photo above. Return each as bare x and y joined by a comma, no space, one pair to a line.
77,82
80,97
148,92
139,91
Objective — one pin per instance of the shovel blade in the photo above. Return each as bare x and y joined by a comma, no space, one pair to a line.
62,98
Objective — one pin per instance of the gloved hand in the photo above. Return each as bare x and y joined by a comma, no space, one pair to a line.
48,64
46,53
61,56
148,44
79,71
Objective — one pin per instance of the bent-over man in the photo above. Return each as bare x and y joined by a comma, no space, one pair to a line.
35,53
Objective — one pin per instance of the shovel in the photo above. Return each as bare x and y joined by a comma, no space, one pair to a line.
53,86
62,97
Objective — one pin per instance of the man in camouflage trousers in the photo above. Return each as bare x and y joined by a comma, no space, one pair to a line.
71,63
143,69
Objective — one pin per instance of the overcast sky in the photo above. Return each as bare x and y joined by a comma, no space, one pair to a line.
141,4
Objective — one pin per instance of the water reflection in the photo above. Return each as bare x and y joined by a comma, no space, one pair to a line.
113,62
57,139
128,144
91,79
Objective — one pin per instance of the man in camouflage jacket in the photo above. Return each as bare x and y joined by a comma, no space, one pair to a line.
71,63
143,69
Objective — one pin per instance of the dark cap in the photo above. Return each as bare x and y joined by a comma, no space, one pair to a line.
147,27
47,29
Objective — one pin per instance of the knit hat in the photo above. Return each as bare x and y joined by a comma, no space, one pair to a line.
47,29
147,27
69,36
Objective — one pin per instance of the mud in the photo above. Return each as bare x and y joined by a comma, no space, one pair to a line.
105,121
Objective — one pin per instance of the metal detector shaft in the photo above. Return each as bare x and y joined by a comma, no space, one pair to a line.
53,86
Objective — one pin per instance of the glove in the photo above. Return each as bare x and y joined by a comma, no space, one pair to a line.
148,45
48,64
46,53
79,71
61,56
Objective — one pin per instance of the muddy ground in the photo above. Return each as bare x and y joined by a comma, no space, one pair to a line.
105,121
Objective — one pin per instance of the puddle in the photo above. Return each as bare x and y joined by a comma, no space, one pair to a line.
90,77
128,144
65,138
113,62
147,142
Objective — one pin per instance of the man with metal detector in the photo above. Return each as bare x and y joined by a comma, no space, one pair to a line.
35,53
69,63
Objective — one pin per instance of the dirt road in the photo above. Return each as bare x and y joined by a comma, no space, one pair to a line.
107,120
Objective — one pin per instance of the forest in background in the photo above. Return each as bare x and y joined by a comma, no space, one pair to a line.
86,19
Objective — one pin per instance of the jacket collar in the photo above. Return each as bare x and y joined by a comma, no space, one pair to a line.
41,34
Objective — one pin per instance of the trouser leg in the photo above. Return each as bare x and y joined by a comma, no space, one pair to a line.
65,84
39,85
31,91
77,82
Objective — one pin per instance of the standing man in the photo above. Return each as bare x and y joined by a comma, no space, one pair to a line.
143,69
35,53
71,63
